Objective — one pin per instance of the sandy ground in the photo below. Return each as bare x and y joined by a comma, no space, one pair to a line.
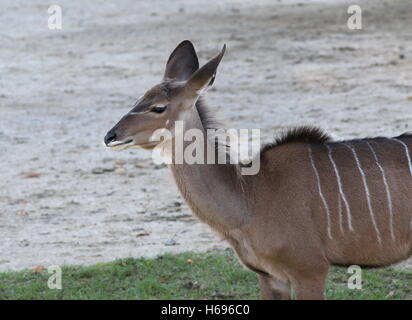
65,199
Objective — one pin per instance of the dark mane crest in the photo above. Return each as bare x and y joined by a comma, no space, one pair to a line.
405,135
305,134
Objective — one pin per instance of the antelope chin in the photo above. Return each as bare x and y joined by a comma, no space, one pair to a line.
146,146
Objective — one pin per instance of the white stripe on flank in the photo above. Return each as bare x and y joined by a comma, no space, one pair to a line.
325,204
342,194
388,192
368,196
340,213
408,157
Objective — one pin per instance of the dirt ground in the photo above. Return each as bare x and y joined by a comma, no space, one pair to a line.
65,199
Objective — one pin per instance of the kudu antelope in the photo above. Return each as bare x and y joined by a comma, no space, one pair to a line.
314,202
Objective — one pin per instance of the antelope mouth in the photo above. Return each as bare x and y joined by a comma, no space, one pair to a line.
120,145
128,144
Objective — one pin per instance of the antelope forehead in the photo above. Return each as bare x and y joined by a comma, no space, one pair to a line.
158,92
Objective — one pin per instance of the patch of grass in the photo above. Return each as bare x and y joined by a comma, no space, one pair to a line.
210,275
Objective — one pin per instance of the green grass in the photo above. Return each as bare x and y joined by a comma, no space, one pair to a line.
211,275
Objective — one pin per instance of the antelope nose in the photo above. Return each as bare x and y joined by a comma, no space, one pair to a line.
110,136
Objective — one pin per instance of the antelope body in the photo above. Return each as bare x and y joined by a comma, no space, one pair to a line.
314,202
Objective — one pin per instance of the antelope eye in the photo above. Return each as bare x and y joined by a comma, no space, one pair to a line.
158,109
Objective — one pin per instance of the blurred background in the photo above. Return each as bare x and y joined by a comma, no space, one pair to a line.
65,199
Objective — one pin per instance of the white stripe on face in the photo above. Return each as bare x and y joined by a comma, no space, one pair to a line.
325,204
342,194
366,187
388,192
408,157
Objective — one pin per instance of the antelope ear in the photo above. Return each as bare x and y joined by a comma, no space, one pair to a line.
205,76
182,62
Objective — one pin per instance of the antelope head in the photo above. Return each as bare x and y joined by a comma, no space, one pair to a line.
171,100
